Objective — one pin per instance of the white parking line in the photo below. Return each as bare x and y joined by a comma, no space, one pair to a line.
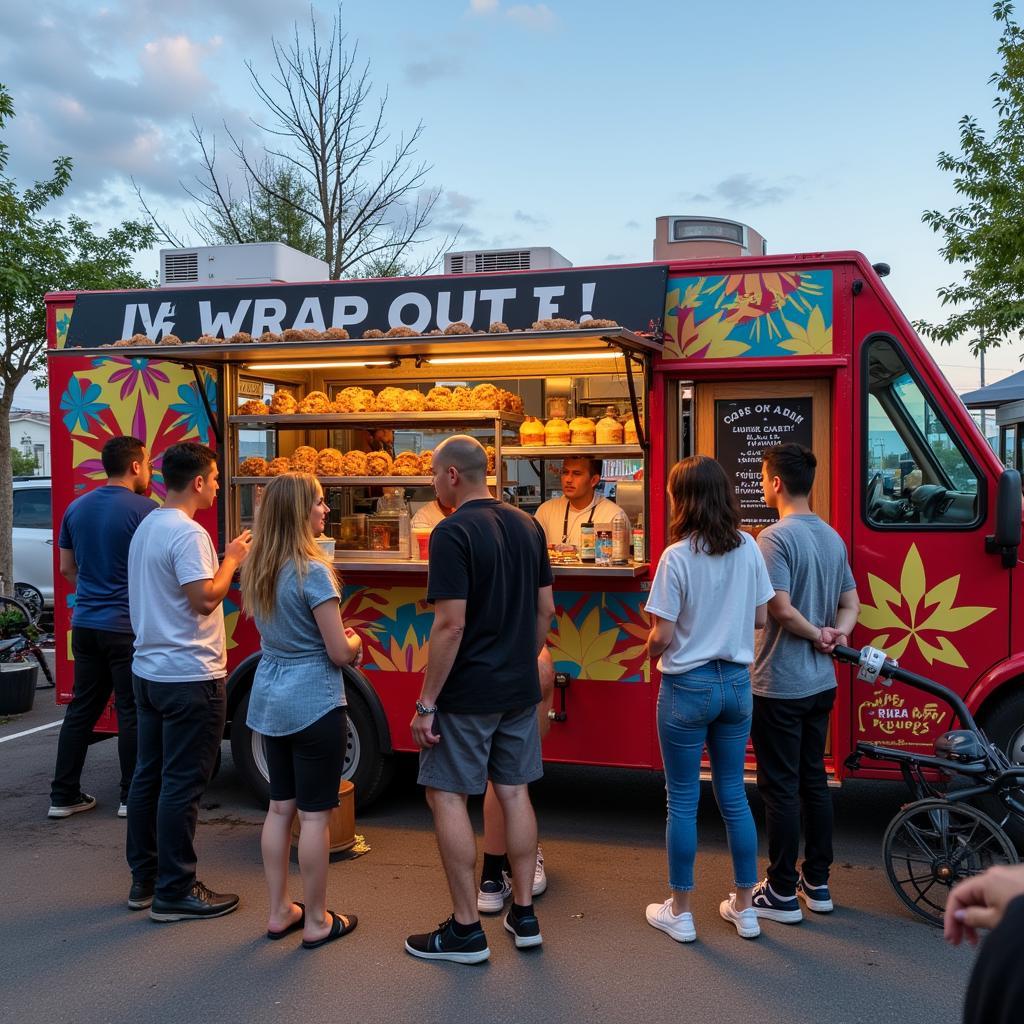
28,732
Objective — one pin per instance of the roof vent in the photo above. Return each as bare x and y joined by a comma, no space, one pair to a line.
181,267
489,261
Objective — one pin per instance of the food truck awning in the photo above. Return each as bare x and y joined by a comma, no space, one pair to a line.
478,347
1009,389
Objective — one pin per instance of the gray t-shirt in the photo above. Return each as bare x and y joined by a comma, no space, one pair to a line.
806,558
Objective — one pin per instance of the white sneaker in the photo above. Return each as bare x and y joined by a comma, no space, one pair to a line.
679,926
122,810
540,879
744,920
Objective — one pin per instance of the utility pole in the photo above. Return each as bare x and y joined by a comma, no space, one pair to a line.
981,367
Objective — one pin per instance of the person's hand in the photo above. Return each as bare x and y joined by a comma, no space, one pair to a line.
980,902
357,659
239,548
828,639
423,734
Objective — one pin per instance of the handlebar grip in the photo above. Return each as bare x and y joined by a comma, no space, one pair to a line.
850,654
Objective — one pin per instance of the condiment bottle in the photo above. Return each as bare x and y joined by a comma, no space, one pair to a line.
587,543
638,539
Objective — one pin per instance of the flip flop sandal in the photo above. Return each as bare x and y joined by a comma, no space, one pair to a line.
341,924
293,927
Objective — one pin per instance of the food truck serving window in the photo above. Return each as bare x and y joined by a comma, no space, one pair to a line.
917,474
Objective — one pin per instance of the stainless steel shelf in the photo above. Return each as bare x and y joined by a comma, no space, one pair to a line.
563,451
373,419
359,481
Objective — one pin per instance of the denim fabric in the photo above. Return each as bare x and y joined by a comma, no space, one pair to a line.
711,704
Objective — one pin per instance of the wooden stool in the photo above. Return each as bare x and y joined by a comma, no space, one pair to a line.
343,820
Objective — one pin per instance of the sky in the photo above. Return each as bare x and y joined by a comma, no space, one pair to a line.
570,123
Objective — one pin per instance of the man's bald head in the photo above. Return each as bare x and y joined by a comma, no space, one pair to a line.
464,454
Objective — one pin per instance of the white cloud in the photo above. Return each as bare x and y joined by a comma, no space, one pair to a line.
483,6
538,17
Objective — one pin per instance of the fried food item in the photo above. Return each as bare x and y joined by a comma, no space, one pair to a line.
335,334
169,339
401,331
609,431
122,343
498,327
303,459
407,464
413,400
316,402
282,403
629,433
342,403
491,457
254,466
582,430
459,327
373,333
293,334
328,462
389,399
362,399
485,396
354,464
426,462
241,338
595,322
555,324
278,466
556,431
531,433
141,339
462,398
206,339
310,334
517,404
378,464
268,338
253,408
439,399
433,333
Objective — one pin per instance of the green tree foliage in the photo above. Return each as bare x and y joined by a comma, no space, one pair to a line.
985,235
23,464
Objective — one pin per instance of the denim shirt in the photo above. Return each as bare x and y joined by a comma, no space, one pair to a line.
296,683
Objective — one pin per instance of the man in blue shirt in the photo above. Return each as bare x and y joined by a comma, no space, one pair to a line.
94,537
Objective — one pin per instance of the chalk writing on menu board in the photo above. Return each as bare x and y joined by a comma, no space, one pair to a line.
743,429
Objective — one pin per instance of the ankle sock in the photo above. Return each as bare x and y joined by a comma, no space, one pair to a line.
519,912
465,930
494,864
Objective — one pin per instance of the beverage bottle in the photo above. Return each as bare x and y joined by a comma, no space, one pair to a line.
620,540
638,539
587,543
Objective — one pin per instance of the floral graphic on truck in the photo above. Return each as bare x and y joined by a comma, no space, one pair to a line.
781,313
918,612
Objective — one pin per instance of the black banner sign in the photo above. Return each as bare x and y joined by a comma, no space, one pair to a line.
743,429
632,296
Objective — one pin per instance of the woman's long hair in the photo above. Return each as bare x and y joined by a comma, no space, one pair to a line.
704,506
280,534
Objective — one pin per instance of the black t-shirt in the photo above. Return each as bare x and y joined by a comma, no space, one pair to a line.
995,993
495,558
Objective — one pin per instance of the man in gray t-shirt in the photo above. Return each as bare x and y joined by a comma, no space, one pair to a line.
815,607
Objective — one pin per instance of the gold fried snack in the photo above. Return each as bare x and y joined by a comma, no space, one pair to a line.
169,339
401,331
253,466
278,466
303,459
413,400
407,464
328,462
485,396
335,334
630,434
556,431
282,402
427,462
433,333
462,398
362,400
122,343
207,339
293,334
491,455
582,430
498,327
269,338
389,399
353,464
531,433
241,338
609,431
316,402
599,323
253,408
378,464
342,403
144,339
459,327
373,333
439,399
310,334
554,324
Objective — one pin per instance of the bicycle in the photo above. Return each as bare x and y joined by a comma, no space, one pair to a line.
940,837
20,637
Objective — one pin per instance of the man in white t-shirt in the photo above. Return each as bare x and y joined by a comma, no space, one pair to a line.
562,517
429,515
175,590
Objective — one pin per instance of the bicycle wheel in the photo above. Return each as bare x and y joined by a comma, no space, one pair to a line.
32,598
14,616
933,844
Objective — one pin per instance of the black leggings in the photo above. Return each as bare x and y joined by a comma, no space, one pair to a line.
306,766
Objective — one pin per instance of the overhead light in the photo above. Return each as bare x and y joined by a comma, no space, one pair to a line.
512,357
336,364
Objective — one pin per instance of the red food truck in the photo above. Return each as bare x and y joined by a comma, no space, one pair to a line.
358,379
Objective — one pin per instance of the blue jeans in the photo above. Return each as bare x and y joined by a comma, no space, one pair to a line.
711,704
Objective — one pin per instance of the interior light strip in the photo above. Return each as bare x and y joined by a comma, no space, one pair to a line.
513,358
333,365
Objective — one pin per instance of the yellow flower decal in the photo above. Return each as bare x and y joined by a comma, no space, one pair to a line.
914,610
813,340
587,646
407,655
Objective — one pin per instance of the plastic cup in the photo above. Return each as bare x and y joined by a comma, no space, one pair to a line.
421,540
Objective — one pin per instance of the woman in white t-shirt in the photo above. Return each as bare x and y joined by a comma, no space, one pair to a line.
710,592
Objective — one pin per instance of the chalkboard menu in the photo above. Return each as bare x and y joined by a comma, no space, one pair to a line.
743,429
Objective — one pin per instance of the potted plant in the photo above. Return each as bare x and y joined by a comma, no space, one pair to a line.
17,679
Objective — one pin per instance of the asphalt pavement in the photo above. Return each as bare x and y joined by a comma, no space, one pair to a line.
73,952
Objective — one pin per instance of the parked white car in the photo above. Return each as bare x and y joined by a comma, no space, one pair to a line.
33,536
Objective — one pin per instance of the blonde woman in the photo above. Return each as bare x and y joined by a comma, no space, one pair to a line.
298,698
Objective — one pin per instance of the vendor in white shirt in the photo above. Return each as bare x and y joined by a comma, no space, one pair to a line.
562,517
429,515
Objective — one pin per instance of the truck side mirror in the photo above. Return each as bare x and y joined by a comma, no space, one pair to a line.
1006,540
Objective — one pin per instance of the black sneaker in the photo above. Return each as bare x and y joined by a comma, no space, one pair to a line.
82,802
140,895
199,903
770,905
444,944
526,929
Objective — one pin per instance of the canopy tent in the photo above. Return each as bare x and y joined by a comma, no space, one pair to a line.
1009,389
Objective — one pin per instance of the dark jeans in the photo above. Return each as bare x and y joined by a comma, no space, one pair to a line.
789,742
103,664
180,729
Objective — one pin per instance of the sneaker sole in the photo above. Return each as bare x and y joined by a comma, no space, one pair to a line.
164,916
490,903
140,904
685,937
539,887
524,941
455,958
743,933
66,812
782,916
818,906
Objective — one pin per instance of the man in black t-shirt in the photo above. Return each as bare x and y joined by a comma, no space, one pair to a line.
490,583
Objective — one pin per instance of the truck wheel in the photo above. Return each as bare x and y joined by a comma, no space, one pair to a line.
1003,723
367,768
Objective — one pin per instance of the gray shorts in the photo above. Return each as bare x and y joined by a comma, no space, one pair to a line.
503,747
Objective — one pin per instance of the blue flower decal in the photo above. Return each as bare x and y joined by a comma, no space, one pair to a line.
81,406
63,323
192,409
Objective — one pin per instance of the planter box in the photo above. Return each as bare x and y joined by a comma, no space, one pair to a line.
17,687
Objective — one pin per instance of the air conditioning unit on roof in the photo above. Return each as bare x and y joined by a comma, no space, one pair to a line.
487,261
248,263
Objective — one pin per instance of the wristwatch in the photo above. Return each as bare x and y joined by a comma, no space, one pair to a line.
422,709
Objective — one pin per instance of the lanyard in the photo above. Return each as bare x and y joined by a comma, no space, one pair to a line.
565,521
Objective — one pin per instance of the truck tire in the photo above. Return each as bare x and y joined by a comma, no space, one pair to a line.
366,766
1003,722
